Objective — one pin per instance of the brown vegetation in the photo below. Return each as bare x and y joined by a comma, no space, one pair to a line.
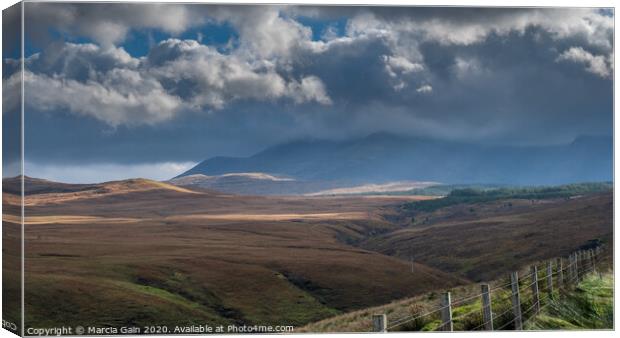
139,252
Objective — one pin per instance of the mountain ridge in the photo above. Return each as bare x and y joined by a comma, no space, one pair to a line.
384,157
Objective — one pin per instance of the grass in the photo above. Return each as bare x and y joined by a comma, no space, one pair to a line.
589,306
11,274
480,195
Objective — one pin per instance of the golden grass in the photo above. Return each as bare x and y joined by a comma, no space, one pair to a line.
68,219
273,217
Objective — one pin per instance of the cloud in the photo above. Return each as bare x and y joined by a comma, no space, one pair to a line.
177,75
122,96
107,24
503,74
399,64
309,89
424,89
263,32
595,64
405,30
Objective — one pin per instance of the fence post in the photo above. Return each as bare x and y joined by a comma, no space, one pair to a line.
560,273
592,260
379,323
582,264
576,267
576,259
516,300
487,313
535,298
585,265
550,278
569,270
446,313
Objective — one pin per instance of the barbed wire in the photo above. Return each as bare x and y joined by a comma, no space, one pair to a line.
479,326
500,286
464,299
506,324
442,325
503,313
411,317
463,315
576,272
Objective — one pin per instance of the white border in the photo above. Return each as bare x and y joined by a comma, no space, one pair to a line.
472,3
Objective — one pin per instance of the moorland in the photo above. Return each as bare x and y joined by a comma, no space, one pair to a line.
141,252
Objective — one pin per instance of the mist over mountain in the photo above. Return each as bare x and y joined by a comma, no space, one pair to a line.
385,157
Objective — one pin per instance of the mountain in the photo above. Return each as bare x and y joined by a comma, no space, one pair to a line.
384,157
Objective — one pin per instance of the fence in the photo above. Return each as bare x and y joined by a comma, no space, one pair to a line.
509,305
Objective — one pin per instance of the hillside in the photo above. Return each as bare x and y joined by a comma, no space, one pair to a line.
583,304
381,158
480,241
141,252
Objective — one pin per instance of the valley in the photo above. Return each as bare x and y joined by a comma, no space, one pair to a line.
138,252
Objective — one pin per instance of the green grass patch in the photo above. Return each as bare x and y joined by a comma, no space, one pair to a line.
589,306
476,195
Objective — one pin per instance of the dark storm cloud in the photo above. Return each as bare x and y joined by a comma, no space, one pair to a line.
487,75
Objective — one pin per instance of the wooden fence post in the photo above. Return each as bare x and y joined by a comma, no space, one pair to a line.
579,265
570,269
379,323
585,263
592,260
550,278
576,263
516,300
576,267
560,273
487,313
446,313
535,298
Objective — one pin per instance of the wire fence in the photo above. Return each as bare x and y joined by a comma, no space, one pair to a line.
506,306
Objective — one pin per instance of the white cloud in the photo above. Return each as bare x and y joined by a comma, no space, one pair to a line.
111,86
108,24
180,75
103,172
122,97
595,64
263,32
396,65
424,89
217,78
405,31
310,88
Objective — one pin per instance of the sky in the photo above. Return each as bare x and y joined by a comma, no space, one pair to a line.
148,90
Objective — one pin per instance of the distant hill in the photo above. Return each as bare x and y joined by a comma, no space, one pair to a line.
265,184
250,184
384,157
36,188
